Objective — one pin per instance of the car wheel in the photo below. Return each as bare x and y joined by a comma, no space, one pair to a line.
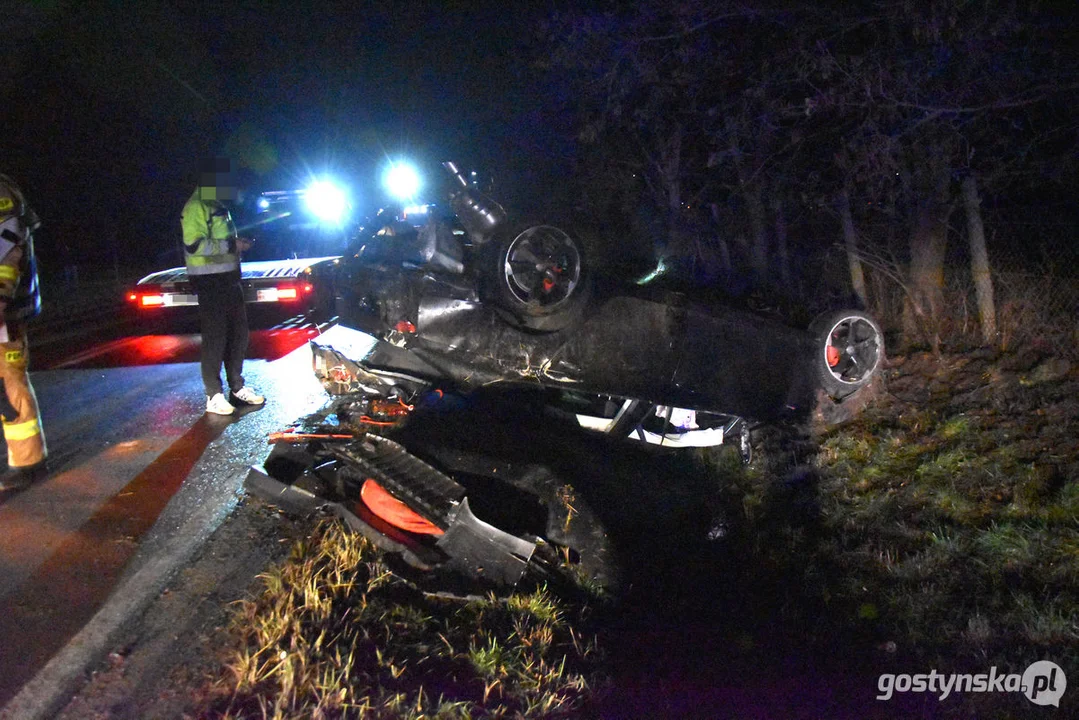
847,352
541,278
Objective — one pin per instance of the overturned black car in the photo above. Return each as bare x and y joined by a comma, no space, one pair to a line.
437,306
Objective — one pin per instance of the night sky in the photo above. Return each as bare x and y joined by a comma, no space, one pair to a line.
108,108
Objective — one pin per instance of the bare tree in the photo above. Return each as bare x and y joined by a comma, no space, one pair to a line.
979,260
850,243
872,109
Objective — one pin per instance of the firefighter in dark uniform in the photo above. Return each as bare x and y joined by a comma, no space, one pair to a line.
20,300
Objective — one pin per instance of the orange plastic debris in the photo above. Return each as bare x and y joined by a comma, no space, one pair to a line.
395,512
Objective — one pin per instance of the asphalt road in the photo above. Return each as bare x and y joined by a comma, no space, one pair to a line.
139,476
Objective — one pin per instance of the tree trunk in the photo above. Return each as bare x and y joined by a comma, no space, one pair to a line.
725,261
927,245
760,236
670,173
979,261
850,241
751,192
721,244
671,159
781,244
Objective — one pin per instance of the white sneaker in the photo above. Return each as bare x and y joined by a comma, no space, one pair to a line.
248,396
218,405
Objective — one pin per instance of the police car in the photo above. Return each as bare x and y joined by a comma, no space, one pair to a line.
298,235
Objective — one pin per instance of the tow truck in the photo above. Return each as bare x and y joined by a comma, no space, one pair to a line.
291,264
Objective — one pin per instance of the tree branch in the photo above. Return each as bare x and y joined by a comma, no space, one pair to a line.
1000,105
744,13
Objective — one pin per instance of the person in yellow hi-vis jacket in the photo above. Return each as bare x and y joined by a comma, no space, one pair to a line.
212,256
20,300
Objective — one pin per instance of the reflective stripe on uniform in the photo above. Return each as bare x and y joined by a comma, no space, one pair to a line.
197,260
7,272
13,356
21,431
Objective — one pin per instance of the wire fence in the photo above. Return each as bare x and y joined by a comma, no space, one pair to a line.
1037,309
1035,292
1037,306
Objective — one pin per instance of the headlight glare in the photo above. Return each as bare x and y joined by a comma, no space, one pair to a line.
326,201
402,181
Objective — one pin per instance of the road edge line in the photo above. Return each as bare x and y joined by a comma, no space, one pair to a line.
68,670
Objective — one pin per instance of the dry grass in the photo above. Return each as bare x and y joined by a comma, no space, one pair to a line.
958,522
939,530
335,634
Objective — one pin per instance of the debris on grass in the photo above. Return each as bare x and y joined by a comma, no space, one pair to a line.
335,633
938,531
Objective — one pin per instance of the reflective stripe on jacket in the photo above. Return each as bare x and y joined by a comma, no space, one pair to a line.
209,237
18,265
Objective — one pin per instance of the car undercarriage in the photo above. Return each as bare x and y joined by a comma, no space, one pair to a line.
421,342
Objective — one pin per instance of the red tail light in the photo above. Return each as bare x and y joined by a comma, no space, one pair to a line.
151,300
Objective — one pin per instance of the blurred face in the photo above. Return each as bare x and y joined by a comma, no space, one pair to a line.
216,181
217,188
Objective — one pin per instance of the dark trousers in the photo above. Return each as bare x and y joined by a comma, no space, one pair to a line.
223,319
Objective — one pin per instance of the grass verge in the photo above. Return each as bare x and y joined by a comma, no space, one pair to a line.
955,522
335,634
939,531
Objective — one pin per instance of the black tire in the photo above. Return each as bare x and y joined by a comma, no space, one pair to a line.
541,278
848,349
